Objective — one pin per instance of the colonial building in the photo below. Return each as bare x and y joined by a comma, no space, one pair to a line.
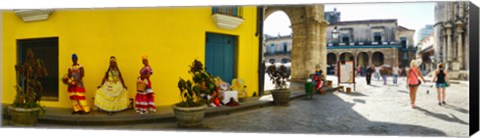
378,42
278,49
426,53
452,37
223,38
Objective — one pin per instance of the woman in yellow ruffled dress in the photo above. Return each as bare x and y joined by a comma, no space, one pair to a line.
112,95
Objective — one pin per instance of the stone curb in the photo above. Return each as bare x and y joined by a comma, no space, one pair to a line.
66,119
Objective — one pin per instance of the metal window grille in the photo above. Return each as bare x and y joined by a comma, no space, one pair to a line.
47,50
233,11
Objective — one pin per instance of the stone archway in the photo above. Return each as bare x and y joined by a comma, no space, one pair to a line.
308,38
362,59
378,58
347,57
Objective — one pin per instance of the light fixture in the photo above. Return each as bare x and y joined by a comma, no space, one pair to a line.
335,33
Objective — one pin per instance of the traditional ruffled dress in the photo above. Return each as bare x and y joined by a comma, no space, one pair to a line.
77,90
145,100
112,96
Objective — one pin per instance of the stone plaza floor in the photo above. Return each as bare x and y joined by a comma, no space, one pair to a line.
371,110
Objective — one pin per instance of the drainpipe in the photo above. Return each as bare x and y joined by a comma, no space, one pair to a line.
261,64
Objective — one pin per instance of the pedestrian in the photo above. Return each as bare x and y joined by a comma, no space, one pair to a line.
359,69
377,72
413,82
395,72
369,74
76,89
441,80
363,70
384,73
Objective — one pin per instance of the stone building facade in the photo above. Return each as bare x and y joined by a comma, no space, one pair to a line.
278,49
451,37
367,42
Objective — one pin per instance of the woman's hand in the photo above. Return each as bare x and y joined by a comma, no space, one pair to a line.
125,87
99,86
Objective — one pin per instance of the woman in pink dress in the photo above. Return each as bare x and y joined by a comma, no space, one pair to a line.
413,82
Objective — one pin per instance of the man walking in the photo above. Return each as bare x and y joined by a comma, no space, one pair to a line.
395,72
369,74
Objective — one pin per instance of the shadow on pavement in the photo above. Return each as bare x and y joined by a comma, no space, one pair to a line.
359,101
404,91
456,108
443,116
325,114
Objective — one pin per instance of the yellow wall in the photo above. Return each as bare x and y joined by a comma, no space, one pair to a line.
171,37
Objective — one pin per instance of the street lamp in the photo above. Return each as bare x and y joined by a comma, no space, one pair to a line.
335,33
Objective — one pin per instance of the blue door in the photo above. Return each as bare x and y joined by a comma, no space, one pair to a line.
220,56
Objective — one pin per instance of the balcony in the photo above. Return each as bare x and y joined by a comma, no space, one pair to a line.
227,17
278,53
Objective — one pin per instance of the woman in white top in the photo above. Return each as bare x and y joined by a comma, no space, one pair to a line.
377,72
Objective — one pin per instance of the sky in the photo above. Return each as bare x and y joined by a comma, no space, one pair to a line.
410,15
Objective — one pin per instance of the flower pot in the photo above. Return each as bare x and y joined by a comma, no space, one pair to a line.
189,116
329,83
281,97
24,116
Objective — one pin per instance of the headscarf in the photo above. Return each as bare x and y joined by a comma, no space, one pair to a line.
74,56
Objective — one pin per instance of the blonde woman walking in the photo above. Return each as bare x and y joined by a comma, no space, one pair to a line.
413,81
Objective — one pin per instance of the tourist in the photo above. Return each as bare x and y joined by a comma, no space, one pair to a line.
413,82
395,72
369,74
384,72
377,72
441,80
144,100
112,95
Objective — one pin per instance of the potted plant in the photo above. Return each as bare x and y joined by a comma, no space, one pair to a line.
26,108
279,76
191,110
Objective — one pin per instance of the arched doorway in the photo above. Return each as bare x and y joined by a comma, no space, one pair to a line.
378,58
276,31
347,57
308,38
362,59
331,63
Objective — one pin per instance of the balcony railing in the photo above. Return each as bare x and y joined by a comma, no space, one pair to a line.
232,11
278,53
363,43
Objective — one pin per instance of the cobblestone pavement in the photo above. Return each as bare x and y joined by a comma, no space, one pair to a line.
371,110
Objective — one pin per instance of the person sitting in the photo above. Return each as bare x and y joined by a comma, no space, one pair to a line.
318,81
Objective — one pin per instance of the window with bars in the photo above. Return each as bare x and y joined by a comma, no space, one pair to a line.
47,50
233,11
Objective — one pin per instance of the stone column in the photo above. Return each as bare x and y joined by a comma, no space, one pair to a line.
312,49
450,49
298,46
460,57
444,47
370,56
